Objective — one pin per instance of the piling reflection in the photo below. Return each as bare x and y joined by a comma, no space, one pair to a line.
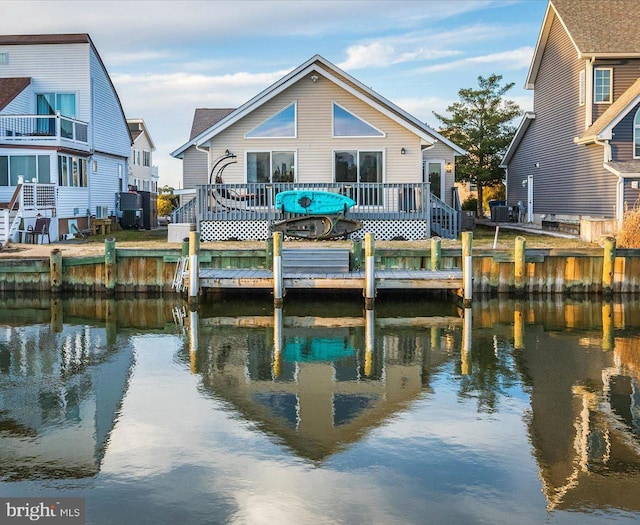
318,378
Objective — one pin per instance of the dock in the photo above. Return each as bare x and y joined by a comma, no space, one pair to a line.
321,269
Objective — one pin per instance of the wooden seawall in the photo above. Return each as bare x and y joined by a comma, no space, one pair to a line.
125,270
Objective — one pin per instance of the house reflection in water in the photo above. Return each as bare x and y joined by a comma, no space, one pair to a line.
585,401
61,385
319,383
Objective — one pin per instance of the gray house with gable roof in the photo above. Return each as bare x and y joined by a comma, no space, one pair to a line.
576,157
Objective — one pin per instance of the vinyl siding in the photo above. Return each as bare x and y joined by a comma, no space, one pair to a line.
104,184
72,199
140,171
53,68
622,140
631,195
110,130
570,179
625,73
22,104
314,143
194,168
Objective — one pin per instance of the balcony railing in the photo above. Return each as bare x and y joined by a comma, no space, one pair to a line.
42,128
253,201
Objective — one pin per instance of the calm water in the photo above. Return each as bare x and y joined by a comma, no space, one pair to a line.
521,412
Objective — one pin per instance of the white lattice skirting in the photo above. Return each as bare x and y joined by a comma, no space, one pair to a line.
259,230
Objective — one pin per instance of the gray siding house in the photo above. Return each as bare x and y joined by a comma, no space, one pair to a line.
576,156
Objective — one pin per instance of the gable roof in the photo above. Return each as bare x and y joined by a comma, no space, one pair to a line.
596,28
203,119
64,38
320,65
10,88
137,127
603,126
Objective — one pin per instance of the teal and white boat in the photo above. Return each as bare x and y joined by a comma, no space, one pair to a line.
311,202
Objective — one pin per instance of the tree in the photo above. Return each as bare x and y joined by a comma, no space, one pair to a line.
166,204
482,123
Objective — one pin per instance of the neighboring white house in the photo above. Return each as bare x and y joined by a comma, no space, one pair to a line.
63,133
142,173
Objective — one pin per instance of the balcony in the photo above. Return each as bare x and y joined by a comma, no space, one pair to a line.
44,130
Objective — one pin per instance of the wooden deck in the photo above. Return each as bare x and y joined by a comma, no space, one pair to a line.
384,279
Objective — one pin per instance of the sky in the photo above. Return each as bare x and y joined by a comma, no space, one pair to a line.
166,58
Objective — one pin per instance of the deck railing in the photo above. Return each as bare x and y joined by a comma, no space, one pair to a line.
253,201
42,128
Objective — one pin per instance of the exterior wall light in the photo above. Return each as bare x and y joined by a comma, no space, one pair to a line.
403,151
524,183
449,167
314,78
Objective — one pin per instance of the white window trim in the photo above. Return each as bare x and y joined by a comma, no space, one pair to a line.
358,151
271,152
295,124
381,136
610,100
636,133
4,58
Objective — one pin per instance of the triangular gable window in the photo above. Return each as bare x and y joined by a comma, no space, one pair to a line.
280,125
346,124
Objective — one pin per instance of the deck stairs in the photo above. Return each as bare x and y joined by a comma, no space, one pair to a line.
188,213
445,220
10,216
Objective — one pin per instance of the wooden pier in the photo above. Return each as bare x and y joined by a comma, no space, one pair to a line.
324,268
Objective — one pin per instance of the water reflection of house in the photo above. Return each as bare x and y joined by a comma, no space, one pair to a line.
60,389
319,387
585,417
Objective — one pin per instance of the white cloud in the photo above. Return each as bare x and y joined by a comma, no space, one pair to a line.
507,60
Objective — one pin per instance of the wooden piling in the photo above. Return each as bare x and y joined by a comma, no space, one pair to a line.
518,328
519,264
194,273
369,271
436,253
110,271
467,268
278,285
55,270
369,342
608,334
608,265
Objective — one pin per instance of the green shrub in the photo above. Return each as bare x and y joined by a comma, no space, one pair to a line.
471,204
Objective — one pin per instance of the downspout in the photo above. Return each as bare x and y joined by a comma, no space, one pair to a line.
588,102
620,183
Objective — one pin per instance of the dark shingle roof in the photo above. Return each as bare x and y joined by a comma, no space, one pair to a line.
20,40
601,27
204,118
10,88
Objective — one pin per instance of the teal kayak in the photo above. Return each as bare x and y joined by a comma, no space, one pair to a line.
311,202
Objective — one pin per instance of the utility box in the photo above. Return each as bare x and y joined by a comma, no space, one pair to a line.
149,210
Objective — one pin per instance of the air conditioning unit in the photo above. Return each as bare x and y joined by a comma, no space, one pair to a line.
102,212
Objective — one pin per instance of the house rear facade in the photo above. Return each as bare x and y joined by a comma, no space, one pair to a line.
576,156
319,125
64,140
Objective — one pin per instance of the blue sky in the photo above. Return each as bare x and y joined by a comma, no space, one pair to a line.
167,58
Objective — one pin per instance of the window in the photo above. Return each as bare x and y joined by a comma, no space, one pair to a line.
4,59
72,171
280,125
583,88
602,84
346,124
29,167
270,166
636,135
146,158
363,167
52,103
